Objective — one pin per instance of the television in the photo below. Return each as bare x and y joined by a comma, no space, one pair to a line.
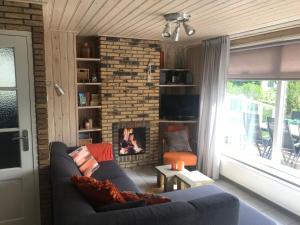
179,107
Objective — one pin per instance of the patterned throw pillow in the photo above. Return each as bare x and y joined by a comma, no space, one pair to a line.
150,199
98,193
85,161
178,141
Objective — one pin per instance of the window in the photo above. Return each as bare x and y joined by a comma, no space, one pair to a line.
263,108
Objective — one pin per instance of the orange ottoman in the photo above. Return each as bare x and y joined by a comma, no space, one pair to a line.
189,158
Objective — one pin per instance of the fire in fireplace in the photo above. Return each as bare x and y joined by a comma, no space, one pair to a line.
132,141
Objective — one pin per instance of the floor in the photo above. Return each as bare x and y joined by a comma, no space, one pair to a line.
145,178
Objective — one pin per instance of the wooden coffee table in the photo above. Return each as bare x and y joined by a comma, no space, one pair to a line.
184,178
167,177
192,179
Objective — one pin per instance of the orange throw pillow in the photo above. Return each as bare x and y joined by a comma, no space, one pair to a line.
84,160
98,193
101,152
150,199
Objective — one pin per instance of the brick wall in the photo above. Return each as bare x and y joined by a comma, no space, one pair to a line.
125,94
29,17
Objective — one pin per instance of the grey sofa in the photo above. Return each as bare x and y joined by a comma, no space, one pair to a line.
206,205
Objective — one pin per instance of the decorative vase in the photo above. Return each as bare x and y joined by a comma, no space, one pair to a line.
86,50
180,165
174,166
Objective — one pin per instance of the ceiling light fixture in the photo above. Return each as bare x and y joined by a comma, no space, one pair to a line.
177,18
175,35
167,31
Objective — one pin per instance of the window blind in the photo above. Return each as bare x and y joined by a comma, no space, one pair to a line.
277,62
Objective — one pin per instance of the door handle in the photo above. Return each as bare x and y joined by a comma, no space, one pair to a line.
24,139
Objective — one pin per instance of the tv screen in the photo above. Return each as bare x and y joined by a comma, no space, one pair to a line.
179,107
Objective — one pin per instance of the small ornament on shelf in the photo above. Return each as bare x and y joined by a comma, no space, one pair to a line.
82,75
94,78
86,50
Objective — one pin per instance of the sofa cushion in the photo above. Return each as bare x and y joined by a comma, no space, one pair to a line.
84,160
98,193
178,141
101,151
119,206
124,183
62,165
108,170
247,214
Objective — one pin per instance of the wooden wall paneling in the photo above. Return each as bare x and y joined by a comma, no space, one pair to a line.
143,19
57,14
117,12
60,57
50,89
79,14
56,79
64,76
71,45
71,7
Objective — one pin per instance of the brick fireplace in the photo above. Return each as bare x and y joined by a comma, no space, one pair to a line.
129,97
117,128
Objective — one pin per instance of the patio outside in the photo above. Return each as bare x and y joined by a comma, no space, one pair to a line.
250,109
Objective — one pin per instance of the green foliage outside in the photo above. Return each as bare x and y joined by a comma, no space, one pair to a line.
254,90
293,97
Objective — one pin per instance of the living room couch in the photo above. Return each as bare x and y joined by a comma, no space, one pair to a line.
207,205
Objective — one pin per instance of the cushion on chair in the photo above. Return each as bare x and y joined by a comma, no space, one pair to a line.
178,141
189,158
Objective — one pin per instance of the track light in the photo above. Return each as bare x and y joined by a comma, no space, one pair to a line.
189,30
177,18
175,35
167,31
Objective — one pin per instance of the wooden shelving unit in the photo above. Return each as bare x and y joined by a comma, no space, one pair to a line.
88,59
88,89
177,85
178,121
96,83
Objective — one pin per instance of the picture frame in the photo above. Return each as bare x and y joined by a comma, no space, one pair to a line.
83,75
82,99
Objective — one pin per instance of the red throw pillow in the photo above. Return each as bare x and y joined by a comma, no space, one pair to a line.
150,199
101,152
85,161
98,193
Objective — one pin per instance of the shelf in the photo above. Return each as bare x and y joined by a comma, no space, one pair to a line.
174,69
177,85
89,130
88,84
90,107
88,59
178,121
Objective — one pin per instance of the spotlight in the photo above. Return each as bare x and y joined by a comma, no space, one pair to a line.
189,30
58,89
167,31
175,35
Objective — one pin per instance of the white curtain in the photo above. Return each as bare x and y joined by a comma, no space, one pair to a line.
214,66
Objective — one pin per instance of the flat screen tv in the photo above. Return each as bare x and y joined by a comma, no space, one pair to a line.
179,107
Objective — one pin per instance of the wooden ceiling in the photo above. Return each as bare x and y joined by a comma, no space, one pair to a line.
144,18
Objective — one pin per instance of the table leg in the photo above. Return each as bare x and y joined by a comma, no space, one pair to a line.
168,184
159,178
179,184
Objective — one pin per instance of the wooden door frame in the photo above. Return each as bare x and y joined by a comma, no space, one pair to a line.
28,36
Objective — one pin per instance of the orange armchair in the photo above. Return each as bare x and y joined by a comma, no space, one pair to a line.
189,158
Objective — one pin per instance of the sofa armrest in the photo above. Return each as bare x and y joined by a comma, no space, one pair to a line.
173,213
218,209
